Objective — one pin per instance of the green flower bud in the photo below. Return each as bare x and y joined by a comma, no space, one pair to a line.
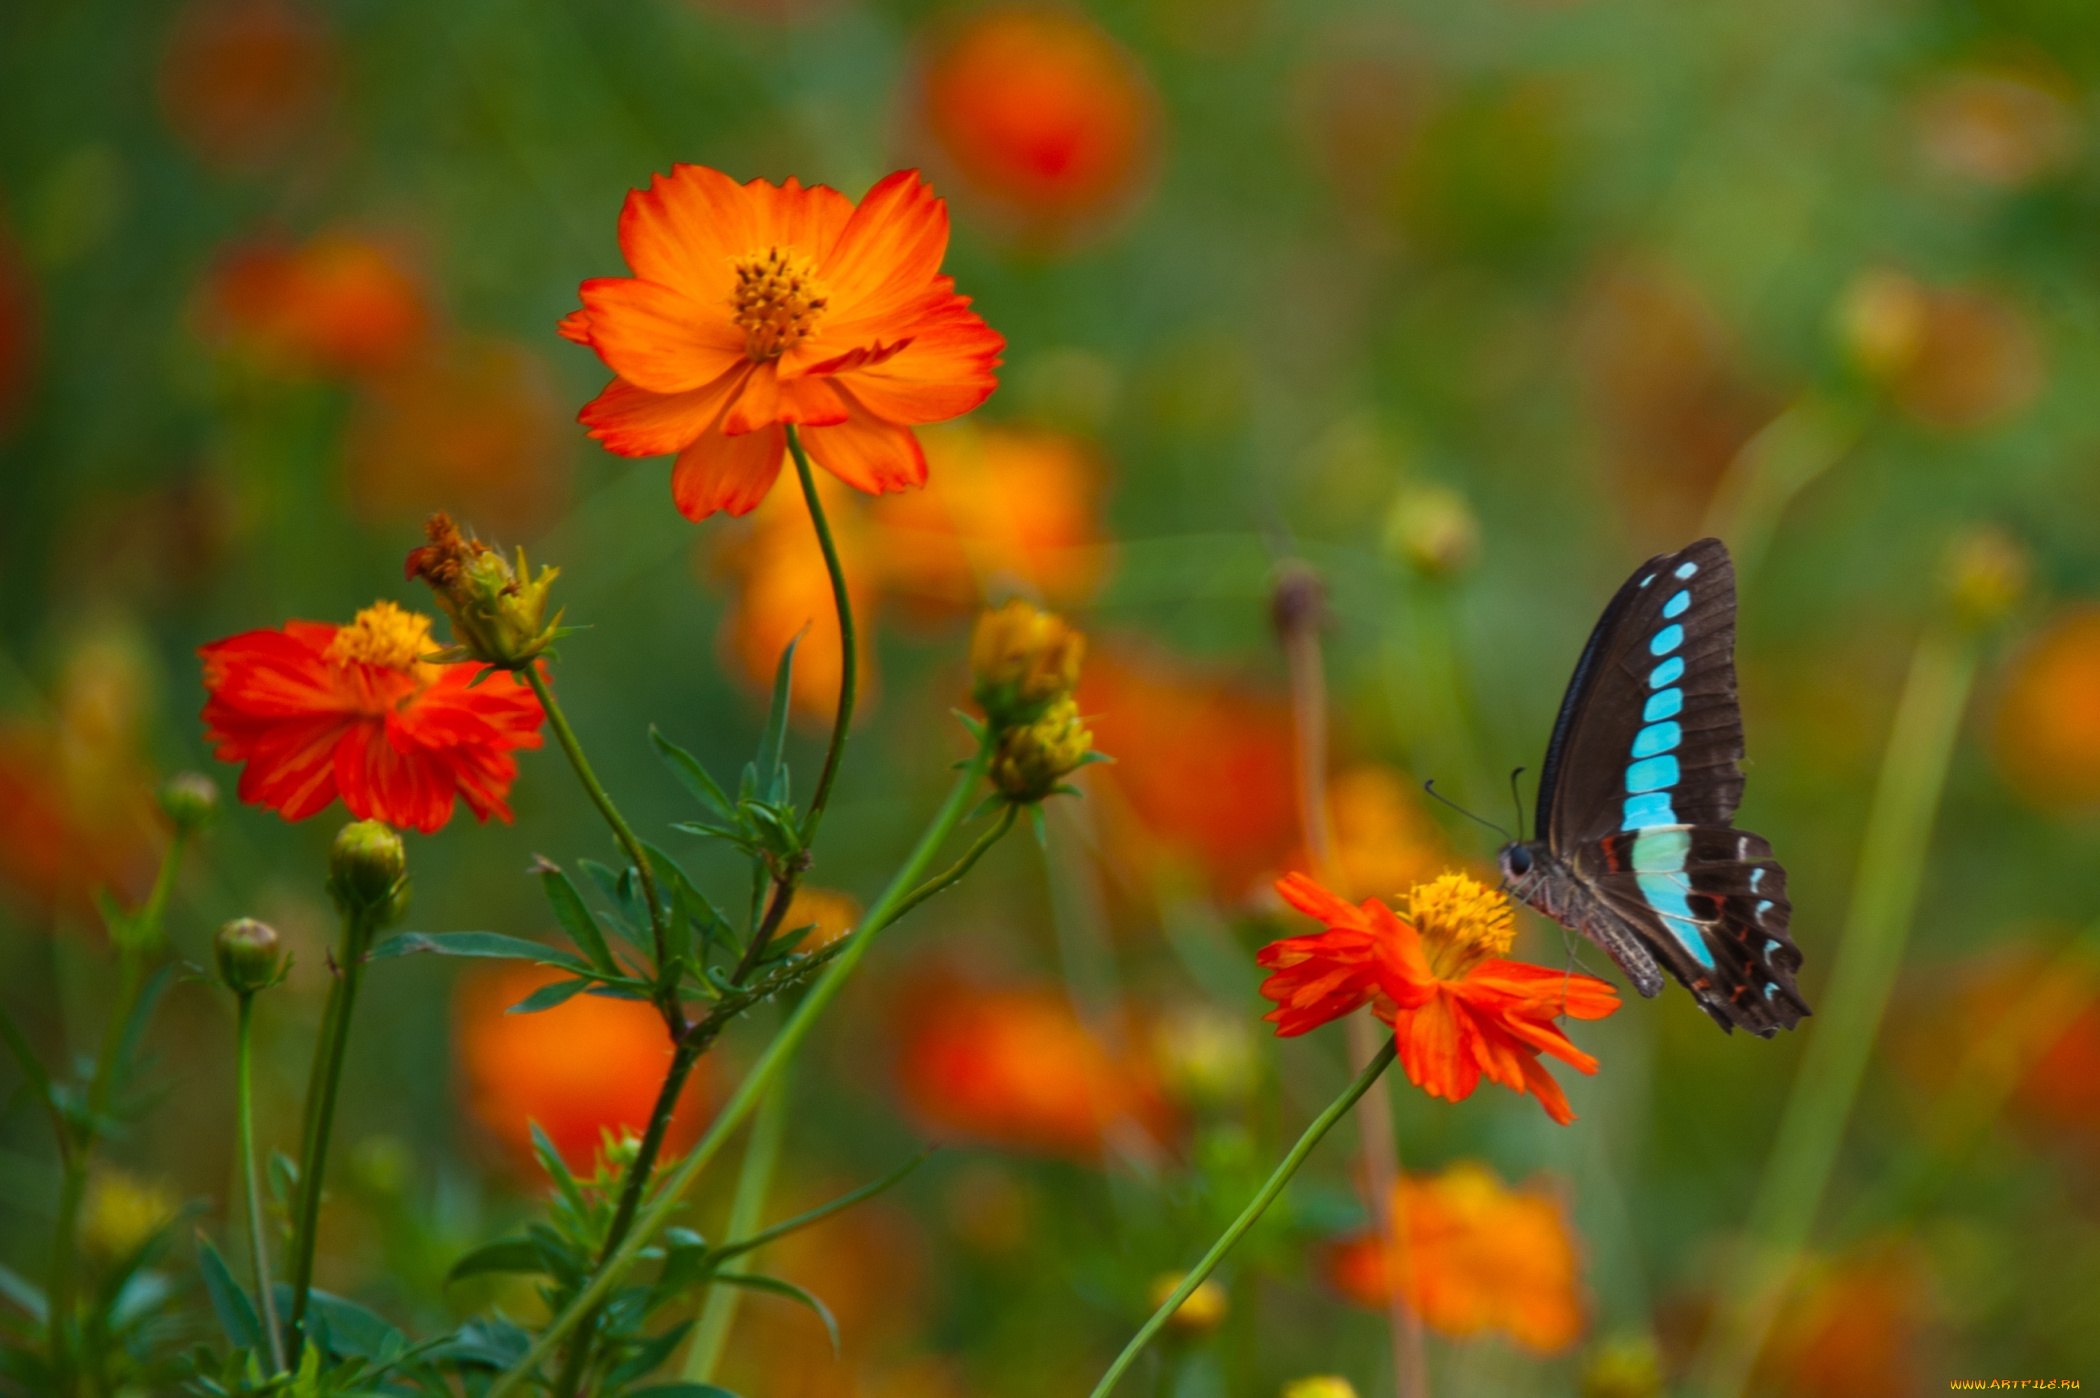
1033,758
499,613
191,800
368,873
249,955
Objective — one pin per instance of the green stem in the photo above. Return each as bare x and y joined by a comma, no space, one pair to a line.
754,1181
849,645
329,1056
1884,898
1281,1176
258,1239
137,934
624,833
953,874
745,1099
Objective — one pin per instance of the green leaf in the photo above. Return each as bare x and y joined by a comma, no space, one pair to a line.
503,1255
557,1170
692,776
489,944
229,1300
788,1289
24,1294
974,724
821,1212
619,891
548,996
575,918
353,1330
772,746
489,1344
647,1357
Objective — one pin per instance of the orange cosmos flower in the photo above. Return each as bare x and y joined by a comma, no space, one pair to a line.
1458,1010
243,83
586,1066
2047,728
1015,1067
1042,113
1858,1327
1479,1257
319,711
756,306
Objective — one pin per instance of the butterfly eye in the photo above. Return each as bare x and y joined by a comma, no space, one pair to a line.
1517,860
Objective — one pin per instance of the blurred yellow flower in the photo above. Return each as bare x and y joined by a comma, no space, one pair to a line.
830,913
1319,1386
121,1211
1202,1311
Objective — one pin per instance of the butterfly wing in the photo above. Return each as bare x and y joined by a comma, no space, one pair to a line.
1642,779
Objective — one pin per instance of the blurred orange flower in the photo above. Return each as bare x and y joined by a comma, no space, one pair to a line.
588,1065
1003,508
1459,1011
780,587
338,304
1203,770
754,306
316,711
1977,362
244,82
829,913
469,425
76,799
2003,128
1856,1328
1016,1068
1383,841
1479,1257
2046,732
1042,113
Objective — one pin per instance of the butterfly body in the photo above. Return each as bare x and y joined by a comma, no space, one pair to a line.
1635,846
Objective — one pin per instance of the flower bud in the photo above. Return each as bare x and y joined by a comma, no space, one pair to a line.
1033,758
1987,570
1432,530
1022,660
1319,1386
249,955
191,800
499,613
1201,1312
368,872
1298,601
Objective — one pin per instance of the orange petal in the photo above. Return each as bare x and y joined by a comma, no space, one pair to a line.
758,405
635,422
576,325
1541,1085
866,452
1302,893
810,220
945,370
687,229
1584,997
812,402
719,472
1433,1050
887,253
659,338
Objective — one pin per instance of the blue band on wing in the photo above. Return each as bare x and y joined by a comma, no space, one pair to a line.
1651,774
1646,811
1687,568
1678,605
1669,672
1667,640
1664,703
1657,737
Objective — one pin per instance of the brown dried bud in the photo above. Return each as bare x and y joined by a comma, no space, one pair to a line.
499,613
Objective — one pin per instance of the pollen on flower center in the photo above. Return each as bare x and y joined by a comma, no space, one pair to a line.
383,634
1462,922
778,299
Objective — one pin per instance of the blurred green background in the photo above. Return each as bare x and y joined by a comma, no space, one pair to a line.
1474,307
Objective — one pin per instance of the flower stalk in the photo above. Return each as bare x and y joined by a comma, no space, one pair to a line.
1278,1178
251,1179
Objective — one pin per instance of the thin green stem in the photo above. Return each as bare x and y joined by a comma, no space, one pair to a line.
754,1181
1281,1176
595,789
746,1097
1884,898
326,1080
849,644
258,1238
953,874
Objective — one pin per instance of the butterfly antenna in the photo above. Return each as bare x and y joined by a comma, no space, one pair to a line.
1430,787
1515,800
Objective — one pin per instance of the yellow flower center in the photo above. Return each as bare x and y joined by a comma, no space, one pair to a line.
1462,921
383,634
777,300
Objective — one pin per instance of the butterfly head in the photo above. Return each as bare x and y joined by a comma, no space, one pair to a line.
1523,865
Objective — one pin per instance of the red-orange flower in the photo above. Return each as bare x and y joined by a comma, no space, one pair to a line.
756,306
586,1066
338,304
1478,1257
1017,1068
1042,113
243,83
1459,1011
319,711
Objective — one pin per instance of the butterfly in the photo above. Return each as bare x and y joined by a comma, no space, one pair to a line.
1633,845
